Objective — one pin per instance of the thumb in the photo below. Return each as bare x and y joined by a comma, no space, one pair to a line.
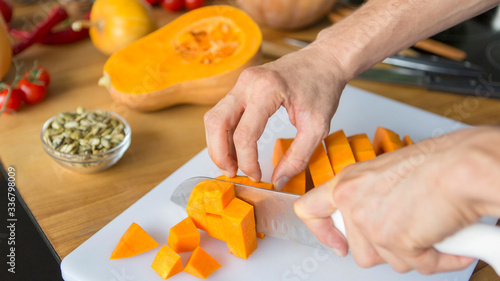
315,209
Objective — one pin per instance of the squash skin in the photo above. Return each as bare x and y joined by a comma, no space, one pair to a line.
286,14
5,50
119,23
205,90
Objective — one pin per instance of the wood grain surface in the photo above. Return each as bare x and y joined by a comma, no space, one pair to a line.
71,207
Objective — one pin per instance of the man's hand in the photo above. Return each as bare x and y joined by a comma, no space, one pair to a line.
398,205
307,83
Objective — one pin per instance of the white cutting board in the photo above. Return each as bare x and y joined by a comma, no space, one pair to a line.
274,259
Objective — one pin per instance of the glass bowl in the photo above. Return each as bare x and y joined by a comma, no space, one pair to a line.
89,163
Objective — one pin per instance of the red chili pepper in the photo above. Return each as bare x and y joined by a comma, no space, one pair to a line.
57,15
65,36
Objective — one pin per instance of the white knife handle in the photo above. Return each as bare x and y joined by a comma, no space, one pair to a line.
479,240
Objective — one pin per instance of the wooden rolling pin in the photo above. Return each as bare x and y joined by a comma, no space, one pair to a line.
428,45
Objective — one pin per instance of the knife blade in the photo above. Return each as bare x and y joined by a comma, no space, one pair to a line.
275,216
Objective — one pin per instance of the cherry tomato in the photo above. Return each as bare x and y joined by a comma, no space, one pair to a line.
172,5
38,74
152,2
6,10
193,4
33,92
15,98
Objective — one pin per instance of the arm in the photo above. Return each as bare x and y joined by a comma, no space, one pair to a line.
308,83
398,205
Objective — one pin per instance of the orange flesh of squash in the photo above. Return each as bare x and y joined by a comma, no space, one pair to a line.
386,140
201,264
216,227
339,151
196,207
202,43
297,184
319,166
167,262
133,242
239,223
361,147
407,141
217,195
246,181
184,236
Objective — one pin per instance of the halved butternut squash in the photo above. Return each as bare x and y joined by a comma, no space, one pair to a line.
196,58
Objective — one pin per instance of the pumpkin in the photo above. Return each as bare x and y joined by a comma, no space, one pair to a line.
184,236
201,264
234,224
196,58
115,24
5,49
133,242
286,14
167,262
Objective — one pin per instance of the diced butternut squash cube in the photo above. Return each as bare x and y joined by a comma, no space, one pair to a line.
386,140
297,184
196,207
216,227
246,181
239,223
201,264
167,262
339,151
407,141
184,236
217,195
260,235
133,242
319,166
361,147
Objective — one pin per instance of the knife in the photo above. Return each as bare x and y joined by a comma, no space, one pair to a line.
275,216
430,72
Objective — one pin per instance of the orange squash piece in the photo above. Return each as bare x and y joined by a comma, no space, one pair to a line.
297,184
361,147
386,140
133,242
216,227
201,264
239,223
407,141
167,262
196,58
319,166
339,151
246,181
196,207
184,236
217,195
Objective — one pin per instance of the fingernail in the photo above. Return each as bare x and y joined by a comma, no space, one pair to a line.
337,252
225,173
281,182
253,179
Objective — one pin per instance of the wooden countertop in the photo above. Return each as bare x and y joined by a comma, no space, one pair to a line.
71,207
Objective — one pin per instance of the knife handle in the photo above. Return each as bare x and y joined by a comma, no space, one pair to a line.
479,240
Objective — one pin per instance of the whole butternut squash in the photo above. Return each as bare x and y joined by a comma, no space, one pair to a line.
196,58
286,14
5,49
